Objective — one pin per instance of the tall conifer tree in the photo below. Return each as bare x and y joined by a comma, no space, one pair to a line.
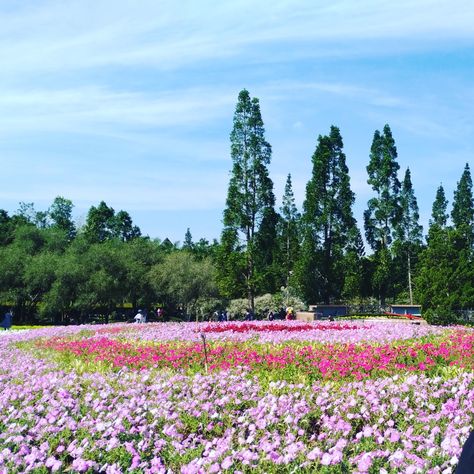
439,214
462,214
409,231
188,240
250,199
354,266
383,214
289,231
327,220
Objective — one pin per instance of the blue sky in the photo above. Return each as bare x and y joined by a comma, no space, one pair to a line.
132,102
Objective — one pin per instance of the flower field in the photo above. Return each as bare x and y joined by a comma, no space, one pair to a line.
277,397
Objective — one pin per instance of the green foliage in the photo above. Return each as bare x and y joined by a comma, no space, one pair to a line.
383,213
327,220
408,229
407,245
60,214
439,215
51,272
445,272
440,316
463,205
249,217
289,234
182,280
103,224
306,273
353,265
188,240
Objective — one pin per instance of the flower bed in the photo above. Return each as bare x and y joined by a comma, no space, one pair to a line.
276,327
261,332
314,362
411,411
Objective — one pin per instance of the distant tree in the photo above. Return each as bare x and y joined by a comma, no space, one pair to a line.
250,200
104,286
445,271
383,213
444,275
61,302
409,231
231,264
6,228
462,214
139,256
27,211
60,214
28,242
39,276
99,223
327,219
183,280
266,268
103,224
439,214
382,217
289,231
122,227
203,248
354,270
30,215
188,240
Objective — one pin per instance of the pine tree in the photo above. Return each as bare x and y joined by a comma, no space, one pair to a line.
188,240
409,231
249,216
327,219
462,214
289,231
383,214
439,214
354,266
445,272
444,275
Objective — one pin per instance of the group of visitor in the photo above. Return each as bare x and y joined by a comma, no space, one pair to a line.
221,315
142,315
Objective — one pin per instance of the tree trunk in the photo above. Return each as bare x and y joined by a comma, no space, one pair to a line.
409,278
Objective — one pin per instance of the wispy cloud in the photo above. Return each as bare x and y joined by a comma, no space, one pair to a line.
82,109
132,102
57,36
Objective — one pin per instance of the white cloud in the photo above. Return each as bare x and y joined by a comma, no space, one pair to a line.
82,109
57,36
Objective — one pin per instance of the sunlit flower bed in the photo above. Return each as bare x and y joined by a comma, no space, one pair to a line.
135,398
326,361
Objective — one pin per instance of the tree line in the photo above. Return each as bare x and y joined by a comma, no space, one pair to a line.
53,270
